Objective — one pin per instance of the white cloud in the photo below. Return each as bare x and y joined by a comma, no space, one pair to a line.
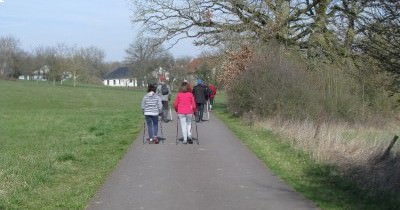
1,1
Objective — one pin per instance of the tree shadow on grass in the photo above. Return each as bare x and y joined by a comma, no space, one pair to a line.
335,191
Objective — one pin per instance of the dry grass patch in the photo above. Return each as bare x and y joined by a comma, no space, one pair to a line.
353,149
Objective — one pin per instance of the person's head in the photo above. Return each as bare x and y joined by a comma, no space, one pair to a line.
184,87
151,87
162,79
199,81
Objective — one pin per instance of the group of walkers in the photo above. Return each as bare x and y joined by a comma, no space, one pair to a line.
188,102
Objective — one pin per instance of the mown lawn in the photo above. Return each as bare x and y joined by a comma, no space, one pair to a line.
58,143
319,183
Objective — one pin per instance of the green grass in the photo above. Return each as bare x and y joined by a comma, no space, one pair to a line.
58,143
319,183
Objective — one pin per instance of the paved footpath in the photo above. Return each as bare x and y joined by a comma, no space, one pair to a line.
218,174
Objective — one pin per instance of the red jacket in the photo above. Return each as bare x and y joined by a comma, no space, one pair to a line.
213,90
184,103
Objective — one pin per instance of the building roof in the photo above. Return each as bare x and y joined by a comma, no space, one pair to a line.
119,73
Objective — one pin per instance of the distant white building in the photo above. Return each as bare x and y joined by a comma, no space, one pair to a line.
120,77
40,75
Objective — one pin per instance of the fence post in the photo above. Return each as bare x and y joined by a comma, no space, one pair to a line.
387,151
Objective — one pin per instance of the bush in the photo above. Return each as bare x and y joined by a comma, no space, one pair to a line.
278,82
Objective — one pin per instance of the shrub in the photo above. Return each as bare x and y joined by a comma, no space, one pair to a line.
277,81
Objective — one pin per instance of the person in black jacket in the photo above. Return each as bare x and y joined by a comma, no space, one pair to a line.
200,96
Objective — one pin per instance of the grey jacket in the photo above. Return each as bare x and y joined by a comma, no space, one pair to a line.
163,97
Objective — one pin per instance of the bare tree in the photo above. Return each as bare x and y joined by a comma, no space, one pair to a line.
205,20
91,59
179,69
52,58
24,64
143,57
9,51
381,38
382,34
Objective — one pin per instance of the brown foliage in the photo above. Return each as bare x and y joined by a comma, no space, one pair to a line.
235,64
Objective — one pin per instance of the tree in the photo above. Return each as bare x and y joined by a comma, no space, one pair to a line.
381,37
52,58
24,64
90,61
207,21
382,34
179,69
144,55
9,51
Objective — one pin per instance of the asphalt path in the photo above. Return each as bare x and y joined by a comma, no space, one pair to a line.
220,173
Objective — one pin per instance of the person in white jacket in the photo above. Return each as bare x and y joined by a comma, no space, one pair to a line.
152,107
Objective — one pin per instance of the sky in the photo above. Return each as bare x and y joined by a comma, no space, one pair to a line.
104,24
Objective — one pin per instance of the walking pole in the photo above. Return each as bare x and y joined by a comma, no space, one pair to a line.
208,111
144,132
170,113
177,125
197,133
161,138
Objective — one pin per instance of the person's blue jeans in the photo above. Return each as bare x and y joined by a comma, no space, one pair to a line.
152,125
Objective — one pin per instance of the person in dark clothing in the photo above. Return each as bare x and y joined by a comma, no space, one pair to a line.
200,96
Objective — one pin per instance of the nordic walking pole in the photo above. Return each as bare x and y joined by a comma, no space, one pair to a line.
144,132
170,113
197,132
162,132
177,130
208,111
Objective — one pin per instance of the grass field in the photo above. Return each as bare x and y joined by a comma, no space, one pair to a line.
58,143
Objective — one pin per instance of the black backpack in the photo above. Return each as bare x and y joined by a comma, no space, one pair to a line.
208,92
164,89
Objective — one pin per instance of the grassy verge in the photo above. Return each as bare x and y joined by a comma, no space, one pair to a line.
319,183
58,143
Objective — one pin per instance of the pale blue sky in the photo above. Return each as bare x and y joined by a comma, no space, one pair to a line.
101,23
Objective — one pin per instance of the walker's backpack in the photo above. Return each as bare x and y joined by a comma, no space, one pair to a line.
208,92
164,89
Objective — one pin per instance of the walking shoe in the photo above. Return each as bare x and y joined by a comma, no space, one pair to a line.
155,140
150,141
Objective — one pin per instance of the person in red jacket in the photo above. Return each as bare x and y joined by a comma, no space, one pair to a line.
212,95
185,106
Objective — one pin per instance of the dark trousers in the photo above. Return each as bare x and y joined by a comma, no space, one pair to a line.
200,110
152,125
165,110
